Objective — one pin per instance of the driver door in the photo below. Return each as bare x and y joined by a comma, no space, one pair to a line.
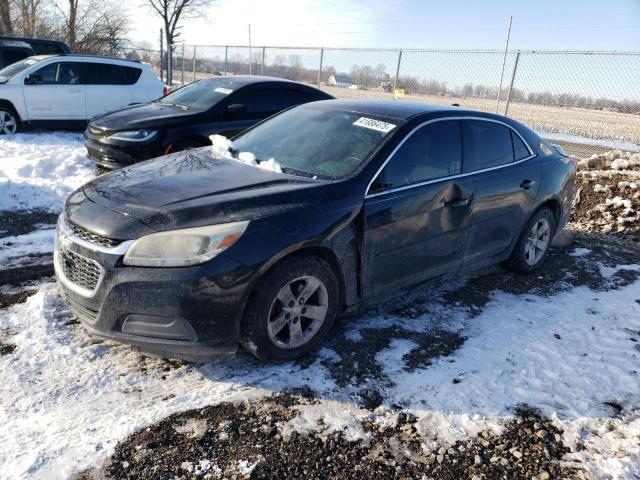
56,92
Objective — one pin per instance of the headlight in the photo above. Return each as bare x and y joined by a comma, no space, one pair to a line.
182,248
131,136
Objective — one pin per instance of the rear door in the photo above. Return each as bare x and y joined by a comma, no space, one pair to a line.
55,92
108,88
417,211
506,178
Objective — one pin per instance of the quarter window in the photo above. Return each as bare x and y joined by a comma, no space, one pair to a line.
520,150
432,152
486,145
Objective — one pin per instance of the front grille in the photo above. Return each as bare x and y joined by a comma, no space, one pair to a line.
79,270
94,238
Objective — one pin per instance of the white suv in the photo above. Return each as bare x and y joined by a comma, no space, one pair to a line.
65,91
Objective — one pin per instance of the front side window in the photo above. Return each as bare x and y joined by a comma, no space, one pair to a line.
60,73
434,151
202,95
315,140
486,145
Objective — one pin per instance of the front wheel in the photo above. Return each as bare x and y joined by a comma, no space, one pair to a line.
291,310
534,242
8,121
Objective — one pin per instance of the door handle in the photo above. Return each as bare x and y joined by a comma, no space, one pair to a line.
75,90
527,184
461,202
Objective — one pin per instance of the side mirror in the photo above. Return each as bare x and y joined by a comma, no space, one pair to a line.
33,79
236,108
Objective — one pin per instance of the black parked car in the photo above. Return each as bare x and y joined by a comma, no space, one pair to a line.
186,118
13,49
190,254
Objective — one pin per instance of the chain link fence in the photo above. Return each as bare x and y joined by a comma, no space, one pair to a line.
573,93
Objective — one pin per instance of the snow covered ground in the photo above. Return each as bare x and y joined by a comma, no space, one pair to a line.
565,342
39,170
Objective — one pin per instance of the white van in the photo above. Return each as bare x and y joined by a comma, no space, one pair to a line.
65,91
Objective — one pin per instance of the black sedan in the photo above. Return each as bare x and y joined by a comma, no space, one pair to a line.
186,118
321,209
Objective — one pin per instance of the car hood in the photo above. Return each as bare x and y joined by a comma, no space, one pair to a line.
187,189
147,115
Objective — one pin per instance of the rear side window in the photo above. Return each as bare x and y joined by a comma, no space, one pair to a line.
296,97
432,152
486,145
108,74
263,100
520,150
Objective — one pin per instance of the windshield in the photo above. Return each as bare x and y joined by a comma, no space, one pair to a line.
201,95
316,141
15,68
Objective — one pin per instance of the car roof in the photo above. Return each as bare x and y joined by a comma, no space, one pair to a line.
242,80
399,109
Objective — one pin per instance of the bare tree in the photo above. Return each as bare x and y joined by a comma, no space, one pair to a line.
172,12
92,26
6,26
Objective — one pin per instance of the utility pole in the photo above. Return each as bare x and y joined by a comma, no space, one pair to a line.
504,61
249,49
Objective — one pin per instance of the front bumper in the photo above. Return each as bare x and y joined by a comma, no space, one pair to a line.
189,313
116,156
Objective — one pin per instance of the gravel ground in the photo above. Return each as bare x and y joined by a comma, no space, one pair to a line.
250,439
245,441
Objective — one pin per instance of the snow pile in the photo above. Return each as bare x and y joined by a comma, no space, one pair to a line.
224,147
613,160
38,171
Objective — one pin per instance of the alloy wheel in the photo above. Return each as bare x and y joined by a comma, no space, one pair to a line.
537,242
298,312
8,123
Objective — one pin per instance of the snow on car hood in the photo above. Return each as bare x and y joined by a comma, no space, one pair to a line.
224,147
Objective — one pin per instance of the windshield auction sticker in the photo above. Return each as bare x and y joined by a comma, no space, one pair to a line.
226,91
372,124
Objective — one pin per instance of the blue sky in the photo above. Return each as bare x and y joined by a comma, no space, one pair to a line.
537,24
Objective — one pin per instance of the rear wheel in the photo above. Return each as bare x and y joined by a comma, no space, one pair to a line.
8,121
534,242
291,310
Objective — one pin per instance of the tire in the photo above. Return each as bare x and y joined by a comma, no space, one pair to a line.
277,326
182,145
527,256
9,120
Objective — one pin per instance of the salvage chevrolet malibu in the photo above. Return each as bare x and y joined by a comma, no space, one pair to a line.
323,208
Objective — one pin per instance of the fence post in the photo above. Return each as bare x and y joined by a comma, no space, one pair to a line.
161,57
504,61
263,56
194,63
395,80
182,76
320,67
226,57
170,65
513,77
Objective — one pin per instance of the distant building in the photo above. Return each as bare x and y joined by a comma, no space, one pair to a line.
339,80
